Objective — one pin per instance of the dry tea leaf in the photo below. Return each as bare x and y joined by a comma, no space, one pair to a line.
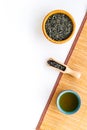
59,26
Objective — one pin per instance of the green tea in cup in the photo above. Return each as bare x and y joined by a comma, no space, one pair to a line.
68,102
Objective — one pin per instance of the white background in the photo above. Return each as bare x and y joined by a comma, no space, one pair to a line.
25,79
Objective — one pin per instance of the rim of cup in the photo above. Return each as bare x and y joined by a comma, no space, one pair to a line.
70,112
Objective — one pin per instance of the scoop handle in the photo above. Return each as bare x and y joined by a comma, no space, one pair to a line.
73,73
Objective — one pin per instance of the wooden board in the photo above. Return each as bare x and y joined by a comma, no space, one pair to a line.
52,118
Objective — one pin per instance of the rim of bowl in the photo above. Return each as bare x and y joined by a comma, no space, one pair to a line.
54,12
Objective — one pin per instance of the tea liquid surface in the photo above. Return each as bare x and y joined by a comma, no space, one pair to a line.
68,102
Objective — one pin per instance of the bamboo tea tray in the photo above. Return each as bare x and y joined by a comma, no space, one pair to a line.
52,118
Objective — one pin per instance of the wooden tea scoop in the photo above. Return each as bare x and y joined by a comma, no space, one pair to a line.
63,68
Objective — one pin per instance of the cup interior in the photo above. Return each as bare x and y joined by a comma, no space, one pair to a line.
68,102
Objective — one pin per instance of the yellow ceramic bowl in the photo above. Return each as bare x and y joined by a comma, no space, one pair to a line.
58,12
